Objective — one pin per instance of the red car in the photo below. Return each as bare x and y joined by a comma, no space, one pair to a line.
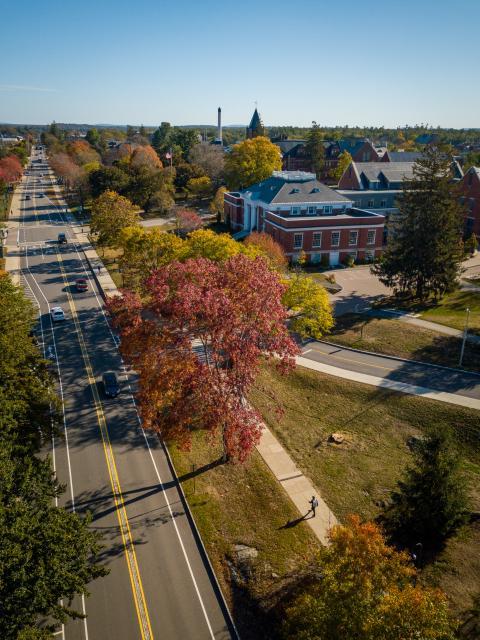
82,284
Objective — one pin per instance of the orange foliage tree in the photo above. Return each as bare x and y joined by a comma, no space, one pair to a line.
272,250
145,156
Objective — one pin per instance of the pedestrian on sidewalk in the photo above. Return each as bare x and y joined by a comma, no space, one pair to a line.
99,268
314,504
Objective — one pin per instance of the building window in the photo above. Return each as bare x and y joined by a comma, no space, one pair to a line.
295,211
317,239
327,209
335,238
312,210
297,240
371,236
370,255
383,204
371,203
353,255
353,238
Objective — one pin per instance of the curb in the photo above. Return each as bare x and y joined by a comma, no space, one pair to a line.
203,551
396,358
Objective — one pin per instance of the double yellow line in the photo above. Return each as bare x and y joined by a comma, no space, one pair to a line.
135,579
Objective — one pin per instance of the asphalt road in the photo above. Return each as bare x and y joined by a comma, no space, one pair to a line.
437,378
159,585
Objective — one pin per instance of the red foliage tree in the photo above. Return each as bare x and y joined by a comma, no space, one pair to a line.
187,220
10,169
196,340
145,156
65,168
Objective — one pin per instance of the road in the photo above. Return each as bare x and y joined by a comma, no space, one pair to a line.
436,378
160,584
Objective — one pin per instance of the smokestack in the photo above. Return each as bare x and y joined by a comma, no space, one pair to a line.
219,125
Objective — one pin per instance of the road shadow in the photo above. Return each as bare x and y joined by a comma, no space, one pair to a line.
353,303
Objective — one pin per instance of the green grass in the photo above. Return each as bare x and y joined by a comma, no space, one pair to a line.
244,504
109,258
396,338
357,476
451,310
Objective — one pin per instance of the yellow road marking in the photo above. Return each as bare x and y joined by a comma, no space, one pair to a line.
135,579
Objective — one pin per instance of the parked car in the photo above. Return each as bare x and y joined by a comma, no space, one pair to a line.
62,238
57,314
82,284
110,384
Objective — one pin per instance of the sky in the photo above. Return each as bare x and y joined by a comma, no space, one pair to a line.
356,62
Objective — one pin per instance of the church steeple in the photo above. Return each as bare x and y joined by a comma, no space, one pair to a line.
255,128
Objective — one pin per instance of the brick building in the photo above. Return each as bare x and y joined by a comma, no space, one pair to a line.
470,188
302,214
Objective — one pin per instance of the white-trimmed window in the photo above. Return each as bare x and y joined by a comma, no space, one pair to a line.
297,240
335,238
312,210
371,236
383,204
327,209
295,211
371,203
353,238
370,255
317,240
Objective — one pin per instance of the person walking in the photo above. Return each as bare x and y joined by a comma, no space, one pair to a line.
99,268
313,504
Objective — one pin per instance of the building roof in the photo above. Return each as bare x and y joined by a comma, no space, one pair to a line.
289,187
392,171
404,156
286,146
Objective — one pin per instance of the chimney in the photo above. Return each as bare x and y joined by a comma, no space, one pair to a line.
219,126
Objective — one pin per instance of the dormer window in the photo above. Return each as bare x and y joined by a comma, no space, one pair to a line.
295,211
295,191
315,190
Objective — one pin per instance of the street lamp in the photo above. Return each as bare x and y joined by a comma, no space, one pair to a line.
465,332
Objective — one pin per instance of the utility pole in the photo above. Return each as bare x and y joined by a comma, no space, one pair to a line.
465,332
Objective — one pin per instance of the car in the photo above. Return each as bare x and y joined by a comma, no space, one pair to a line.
40,195
62,238
27,197
57,314
110,384
82,284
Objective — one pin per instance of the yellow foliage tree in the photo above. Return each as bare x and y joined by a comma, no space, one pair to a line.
205,243
251,161
110,214
344,160
366,593
216,205
310,308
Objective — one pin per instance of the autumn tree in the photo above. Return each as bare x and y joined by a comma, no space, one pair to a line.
82,153
110,214
210,158
10,169
216,205
365,591
251,161
315,149
424,251
145,156
66,169
187,220
205,243
431,501
344,161
200,187
269,248
196,340
308,305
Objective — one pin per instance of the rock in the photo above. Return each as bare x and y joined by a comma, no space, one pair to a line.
244,553
336,438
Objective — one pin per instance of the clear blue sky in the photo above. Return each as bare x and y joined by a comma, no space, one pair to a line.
337,62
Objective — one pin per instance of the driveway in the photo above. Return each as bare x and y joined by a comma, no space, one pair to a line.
359,290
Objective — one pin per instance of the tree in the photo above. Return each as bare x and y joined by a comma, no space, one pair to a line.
251,161
10,169
145,156
187,220
200,187
216,205
196,340
162,138
269,248
82,153
146,185
364,592
96,140
315,149
110,214
430,503
184,172
424,252
205,243
471,244
210,158
185,139
307,302
108,179
344,161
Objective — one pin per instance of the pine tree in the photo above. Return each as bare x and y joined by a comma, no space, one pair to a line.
315,149
424,251
431,501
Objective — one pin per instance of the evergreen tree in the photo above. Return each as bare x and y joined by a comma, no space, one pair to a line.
424,250
430,503
315,149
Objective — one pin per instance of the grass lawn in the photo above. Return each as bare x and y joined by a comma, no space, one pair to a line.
244,504
109,258
357,476
396,338
451,310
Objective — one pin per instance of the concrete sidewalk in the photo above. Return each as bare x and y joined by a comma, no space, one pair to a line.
392,385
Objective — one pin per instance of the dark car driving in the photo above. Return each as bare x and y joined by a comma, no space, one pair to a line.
110,384
62,238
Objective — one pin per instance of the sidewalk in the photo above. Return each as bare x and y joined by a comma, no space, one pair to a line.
392,385
12,261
